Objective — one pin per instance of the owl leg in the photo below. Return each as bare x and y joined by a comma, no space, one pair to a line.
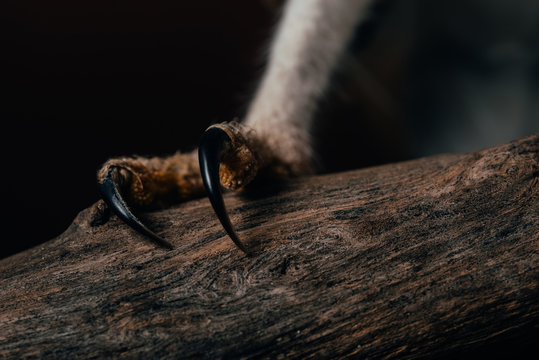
276,136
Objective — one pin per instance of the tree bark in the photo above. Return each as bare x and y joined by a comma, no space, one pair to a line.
435,257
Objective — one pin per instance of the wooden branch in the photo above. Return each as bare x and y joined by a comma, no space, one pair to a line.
432,257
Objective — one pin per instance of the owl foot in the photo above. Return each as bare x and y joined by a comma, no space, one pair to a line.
229,154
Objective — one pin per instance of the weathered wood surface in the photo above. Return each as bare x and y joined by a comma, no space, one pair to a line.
432,257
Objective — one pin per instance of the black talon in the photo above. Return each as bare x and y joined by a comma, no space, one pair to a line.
111,195
212,145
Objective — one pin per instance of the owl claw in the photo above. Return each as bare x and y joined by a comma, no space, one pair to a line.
111,195
213,145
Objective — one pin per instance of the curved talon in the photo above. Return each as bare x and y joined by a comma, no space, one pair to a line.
212,145
111,195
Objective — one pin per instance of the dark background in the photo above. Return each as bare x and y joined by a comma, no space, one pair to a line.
83,81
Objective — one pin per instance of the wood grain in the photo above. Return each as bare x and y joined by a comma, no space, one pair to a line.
435,257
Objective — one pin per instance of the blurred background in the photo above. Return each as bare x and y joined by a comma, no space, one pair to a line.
85,81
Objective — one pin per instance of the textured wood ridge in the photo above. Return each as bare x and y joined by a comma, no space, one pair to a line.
432,257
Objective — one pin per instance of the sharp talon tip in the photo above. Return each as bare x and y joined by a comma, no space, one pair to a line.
111,195
212,145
